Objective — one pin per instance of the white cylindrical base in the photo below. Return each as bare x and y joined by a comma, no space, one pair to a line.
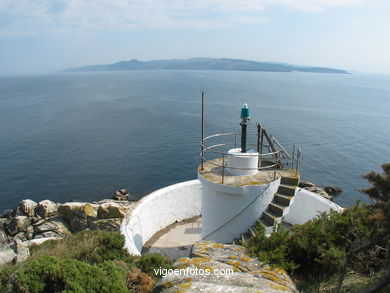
228,211
248,160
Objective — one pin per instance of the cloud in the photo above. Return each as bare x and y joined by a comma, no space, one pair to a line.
93,16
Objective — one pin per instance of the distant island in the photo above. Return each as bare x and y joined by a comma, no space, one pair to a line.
204,64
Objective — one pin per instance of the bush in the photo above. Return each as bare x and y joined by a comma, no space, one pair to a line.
319,246
274,250
92,247
50,274
149,262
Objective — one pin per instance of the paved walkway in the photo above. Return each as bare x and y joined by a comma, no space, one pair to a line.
176,240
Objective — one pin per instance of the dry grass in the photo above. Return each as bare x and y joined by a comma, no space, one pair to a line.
353,282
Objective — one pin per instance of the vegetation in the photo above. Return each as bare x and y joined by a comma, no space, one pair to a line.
85,262
337,252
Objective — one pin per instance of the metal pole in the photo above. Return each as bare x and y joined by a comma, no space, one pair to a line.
202,131
243,136
258,145
223,167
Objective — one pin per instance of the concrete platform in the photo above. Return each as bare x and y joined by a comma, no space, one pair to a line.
212,171
176,240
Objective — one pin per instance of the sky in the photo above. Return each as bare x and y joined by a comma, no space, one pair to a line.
43,36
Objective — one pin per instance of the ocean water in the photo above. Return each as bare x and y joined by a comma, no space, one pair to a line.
82,136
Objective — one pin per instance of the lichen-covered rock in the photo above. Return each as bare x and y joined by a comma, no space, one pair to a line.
47,208
247,274
28,207
112,210
112,224
82,210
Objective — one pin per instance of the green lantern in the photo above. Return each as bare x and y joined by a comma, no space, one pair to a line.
244,123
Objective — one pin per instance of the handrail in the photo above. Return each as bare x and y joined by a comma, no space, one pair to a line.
274,157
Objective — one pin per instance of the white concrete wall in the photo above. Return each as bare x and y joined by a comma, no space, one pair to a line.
307,205
159,209
221,203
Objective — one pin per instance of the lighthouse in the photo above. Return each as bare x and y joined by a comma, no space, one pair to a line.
241,185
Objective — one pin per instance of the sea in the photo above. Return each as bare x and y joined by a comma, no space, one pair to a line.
82,136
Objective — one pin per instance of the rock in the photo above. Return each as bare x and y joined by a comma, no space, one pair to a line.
47,234
47,208
7,255
82,210
17,224
22,251
4,239
2,223
306,184
16,212
112,210
119,196
29,233
56,225
106,224
332,190
28,207
249,274
319,191
77,224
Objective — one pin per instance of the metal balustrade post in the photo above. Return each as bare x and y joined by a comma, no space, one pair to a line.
223,168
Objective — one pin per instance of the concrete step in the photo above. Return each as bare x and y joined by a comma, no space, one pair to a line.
286,190
290,181
277,209
236,241
268,227
245,237
252,231
282,200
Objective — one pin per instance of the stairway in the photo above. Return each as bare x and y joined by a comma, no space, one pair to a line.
276,210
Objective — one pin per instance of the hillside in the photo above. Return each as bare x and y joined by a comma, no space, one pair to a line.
203,64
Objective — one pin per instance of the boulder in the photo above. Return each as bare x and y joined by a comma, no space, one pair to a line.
59,227
248,274
77,224
28,207
319,191
4,239
17,224
112,210
47,234
22,251
332,190
82,210
304,184
47,208
121,194
105,224
2,223
7,255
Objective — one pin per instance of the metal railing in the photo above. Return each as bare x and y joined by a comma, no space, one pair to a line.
275,159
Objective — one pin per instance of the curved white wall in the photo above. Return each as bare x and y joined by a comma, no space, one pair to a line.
183,200
221,204
159,209
307,205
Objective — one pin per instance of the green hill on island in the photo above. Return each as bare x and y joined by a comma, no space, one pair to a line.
204,64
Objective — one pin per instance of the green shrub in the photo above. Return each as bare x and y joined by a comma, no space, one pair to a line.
50,274
319,245
274,250
92,247
148,262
